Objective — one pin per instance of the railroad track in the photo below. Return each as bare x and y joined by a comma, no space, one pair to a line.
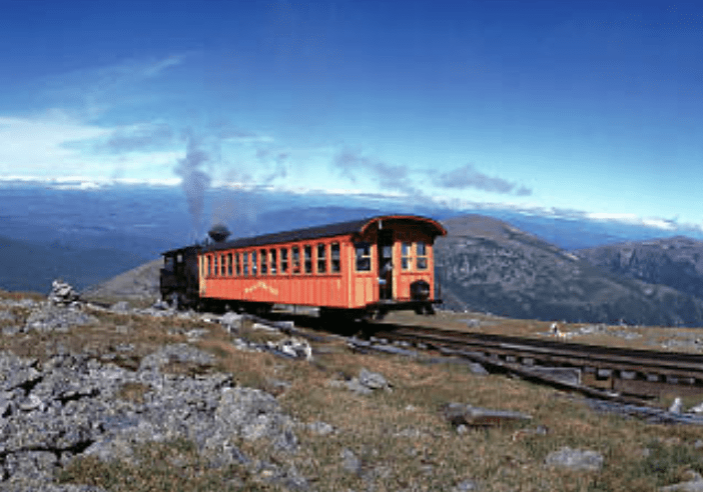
609,373
607,370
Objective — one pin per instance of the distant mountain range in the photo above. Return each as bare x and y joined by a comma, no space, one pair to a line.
487,265
30,266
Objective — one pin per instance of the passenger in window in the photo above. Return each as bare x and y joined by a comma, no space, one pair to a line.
421,249
363,257
336,267
296,259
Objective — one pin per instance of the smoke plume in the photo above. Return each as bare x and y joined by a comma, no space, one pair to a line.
195,182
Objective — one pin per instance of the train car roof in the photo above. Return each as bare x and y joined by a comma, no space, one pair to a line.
184,249
329,230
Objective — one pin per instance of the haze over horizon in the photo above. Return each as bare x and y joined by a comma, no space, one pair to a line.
584,109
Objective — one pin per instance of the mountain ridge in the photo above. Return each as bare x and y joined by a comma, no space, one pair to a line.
489,265
676,261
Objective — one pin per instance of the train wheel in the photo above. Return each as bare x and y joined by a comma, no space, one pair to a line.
340,321
262,308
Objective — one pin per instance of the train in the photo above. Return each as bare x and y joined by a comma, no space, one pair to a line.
357,269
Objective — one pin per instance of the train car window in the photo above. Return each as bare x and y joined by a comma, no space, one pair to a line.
321,258
284,260
254,264
274,265
308,258
245,264
223,265
168,263
214,269
295,257
237,267
387,252
179,258
405,249
230,268
264,264
363,257
421,249
335,258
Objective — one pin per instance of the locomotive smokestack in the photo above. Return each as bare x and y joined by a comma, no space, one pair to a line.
219,233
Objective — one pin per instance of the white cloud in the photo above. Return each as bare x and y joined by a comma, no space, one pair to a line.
630,218
56,145
42,144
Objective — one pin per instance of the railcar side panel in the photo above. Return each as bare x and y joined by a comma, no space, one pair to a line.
314,288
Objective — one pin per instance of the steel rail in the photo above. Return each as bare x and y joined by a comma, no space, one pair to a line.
630,371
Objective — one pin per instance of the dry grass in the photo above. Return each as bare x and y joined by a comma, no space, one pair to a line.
133,392
171,466
400,438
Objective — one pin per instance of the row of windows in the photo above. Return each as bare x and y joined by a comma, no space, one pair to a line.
412,254
275,261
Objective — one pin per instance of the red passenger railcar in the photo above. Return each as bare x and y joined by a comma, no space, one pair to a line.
360,267
366,266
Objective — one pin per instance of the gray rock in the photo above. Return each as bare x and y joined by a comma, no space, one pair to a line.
57,318
254,414
17,372
180,352
62,293
372,380
121,307
289,477
11,330
43,486
23,303
7,316
693,485
466,486
161,305
196,334
575,459
321,428
35,466
124,347
355,386
459,414
676,406
232,322
293,347
350,462
367,382
264,327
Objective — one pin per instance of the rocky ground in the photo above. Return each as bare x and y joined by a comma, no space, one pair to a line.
71,404
121,398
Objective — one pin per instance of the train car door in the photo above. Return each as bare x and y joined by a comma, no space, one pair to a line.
385,264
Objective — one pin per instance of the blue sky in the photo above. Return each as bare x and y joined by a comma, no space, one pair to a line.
591,109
